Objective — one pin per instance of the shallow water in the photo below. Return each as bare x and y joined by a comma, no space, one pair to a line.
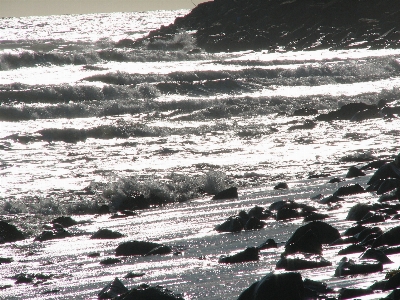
84,122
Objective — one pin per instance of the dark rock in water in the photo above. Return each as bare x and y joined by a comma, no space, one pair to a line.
104,209
306,243
275,287
315,217
330,199
308,124
350,293
373,218
57,233
377,255
24,278
94,254
9,233
110,261
374,164
64,221
335,180
366,114
354,172
325,233
113,289
287,213
163,249
294,264
352,249
259,212
269,243
106,234
316,286
388,185
281,186
230,193
134,275
305,111
146,292
249,254
349,190
358,211
349,267
362,235
389,170
393,282
346,112
389,238
394,295
135,248
5,260
233,224
353,230
253,224
342,241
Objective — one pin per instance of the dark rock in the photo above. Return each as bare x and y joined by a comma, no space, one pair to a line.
233,224
346,112
259,212
354,172
163,249
388,185
294,264
325,233
308,124
389,170
113,289
316,286
394,295
5,260
342,241
348,267
145,292
305,111
132,202
389,238
306,243
64,221
24,278
56,233
230,193
374,164
349,190
281,186
330,199
363,234
94,254
373,218
287,213
366,114
106,234
335,180
352,249
9,233
350,293
110,261
134,275
275,287
269,243
358,211
313,216
249,254
104,209
393,282
253,224
135,248
376,255
354,230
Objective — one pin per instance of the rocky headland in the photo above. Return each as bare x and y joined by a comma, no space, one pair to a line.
235,25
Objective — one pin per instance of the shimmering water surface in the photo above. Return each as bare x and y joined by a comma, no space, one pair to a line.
83,118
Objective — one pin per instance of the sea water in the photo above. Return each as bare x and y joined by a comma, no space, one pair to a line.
85,121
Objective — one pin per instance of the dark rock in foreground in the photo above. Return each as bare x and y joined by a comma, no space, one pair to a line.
9,233
275,287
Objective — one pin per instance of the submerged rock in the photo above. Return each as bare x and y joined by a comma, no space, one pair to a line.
146,292
106,234
58,232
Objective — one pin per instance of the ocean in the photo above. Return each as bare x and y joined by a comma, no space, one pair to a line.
86,120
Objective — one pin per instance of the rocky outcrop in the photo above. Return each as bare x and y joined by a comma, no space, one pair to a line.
225,25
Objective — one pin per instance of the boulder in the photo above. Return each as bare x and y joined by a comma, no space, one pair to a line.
113,289
358,211
163,249
135,248
376,255
9,233
349,190
269,243
349,267
306,243
390,238
230,193
64,221
233,224
253,224
106,234
354,172
145,292
324,233
275,287
351,293
58,232
294,264
249,254
346,112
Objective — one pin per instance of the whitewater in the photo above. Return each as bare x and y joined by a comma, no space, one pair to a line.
86,120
